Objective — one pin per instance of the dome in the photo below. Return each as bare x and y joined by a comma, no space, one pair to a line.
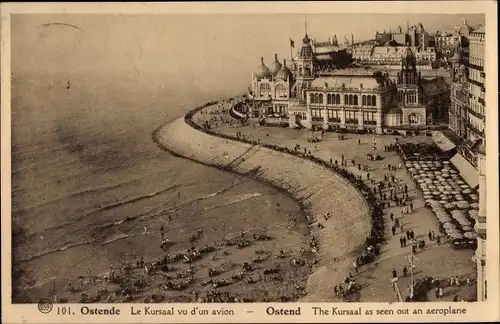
275,66
456,57
306,40
284,73
262,71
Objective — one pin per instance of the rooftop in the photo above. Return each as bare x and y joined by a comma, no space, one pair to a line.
480,30
435,85
348,81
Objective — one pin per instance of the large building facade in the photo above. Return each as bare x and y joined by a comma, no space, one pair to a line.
319,90
389,47
467,120
446,41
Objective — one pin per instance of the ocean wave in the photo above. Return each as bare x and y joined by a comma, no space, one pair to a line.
141,216
117,237
115,205
76,195
235,200
59,249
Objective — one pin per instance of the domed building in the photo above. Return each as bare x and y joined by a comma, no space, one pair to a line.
262,72
321,88
270,89
275,66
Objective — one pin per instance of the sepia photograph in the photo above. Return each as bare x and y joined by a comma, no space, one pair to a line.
248,158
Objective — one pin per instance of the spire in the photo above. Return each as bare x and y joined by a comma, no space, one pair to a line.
262,60
284,62
407,26
275,57
305,25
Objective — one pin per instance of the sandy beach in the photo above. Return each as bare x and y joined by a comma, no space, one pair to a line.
317,187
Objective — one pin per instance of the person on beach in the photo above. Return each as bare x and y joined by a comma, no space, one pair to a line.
393,229
430,235
401,241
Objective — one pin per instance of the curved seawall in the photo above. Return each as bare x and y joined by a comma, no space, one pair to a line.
316,187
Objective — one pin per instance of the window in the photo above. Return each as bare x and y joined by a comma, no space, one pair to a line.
355,100
265,90
280,91
346,100
368,100
337,99
316,115
363,100
374,100
333,116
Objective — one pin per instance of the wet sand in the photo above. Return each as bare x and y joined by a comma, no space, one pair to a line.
87,178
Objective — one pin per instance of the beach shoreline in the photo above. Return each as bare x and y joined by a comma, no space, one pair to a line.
338,247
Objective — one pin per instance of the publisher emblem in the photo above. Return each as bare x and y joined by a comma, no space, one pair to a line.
45,306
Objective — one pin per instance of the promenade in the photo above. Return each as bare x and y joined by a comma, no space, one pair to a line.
317,188
437,261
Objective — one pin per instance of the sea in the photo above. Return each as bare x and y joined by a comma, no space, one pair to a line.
83,160
87,92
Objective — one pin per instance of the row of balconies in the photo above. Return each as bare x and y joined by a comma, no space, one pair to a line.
474,129
475,67
477,83
475,114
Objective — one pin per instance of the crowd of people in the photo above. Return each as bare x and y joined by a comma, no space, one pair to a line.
378,195
376,237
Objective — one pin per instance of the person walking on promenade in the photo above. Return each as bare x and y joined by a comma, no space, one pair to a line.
162,231
430,236
393,229
405,271
404,241
401,241
402,228
394,273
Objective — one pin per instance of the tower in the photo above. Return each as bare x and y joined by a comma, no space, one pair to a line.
304,67
409,80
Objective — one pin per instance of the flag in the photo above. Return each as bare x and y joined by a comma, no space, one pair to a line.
292,43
